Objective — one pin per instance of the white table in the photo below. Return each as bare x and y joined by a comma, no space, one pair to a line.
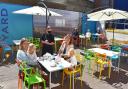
16,42
97,34
109,53
57,39
82,36
60,66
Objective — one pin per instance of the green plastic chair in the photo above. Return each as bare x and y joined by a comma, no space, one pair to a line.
36,42
116,48
89,56
30,39
30,77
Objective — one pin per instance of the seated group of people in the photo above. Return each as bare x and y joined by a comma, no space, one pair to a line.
27,53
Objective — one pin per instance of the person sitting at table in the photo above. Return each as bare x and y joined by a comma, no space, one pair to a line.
72,59
32,57
31,52
66,45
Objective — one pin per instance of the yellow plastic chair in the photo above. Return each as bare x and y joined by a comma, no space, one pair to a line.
102,60
77,69
88,41
80,59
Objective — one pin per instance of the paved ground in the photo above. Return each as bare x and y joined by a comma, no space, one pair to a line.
8,79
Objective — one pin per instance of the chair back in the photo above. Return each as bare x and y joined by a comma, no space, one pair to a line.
89,55
101,56
105,46
79,57
26,70
80,64
116,48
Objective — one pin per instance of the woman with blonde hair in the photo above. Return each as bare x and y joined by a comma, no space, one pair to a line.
72,59
31,52
22,56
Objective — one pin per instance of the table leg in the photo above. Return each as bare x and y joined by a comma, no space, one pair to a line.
81,42
86,41
50,80
119,63
98,39
55,47
73,81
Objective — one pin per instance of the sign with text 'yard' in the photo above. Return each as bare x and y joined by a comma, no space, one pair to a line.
14,26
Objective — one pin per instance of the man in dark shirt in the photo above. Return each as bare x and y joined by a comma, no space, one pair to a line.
75,35
47,41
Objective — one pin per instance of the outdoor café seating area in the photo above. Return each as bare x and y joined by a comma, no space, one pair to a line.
47,48
95,57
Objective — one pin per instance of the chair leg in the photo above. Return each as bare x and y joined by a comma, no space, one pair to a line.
97,68
63,78
75,78
70,81
93,67
28,86
101,68
86,42
44,84
81,78
89,69
109,71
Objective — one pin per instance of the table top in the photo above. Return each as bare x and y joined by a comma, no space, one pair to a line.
97,34
49,65
58,39
102,51
125,46
82,36
16,42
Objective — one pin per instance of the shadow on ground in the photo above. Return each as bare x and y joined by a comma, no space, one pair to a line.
77,85
58,79
117,80
124,63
